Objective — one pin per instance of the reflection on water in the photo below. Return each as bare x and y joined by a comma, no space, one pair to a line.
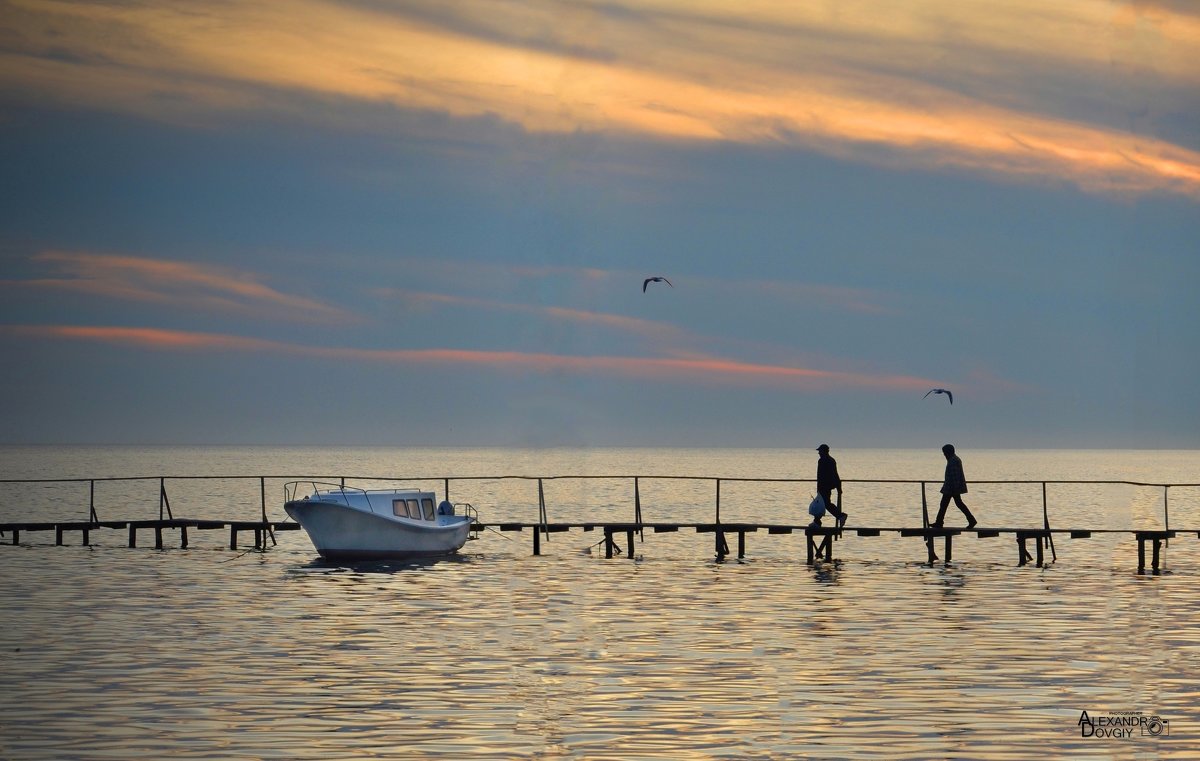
111,652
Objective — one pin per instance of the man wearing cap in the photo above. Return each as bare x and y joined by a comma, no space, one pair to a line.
828,480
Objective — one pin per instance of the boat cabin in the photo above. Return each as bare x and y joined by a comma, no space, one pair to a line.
401,503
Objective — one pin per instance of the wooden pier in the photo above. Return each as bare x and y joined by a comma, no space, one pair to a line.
819,540
262,530
1032,543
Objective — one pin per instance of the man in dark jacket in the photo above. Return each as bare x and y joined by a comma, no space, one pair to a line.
828,480
953,487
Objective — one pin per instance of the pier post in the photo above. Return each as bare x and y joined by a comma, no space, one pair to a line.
16,536
608,543
949,546
741,544
183,538
637,508
158,545
58,536
1041,560
542,519
86,542
92,501
1154,558
1166,515
1046,523
132,536
262,487
925,525
629,542
1141,554
162,499
818,550
537,542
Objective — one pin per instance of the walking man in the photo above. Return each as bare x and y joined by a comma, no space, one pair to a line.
828,480
954,486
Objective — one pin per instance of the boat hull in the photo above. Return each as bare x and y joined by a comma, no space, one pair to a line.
339,532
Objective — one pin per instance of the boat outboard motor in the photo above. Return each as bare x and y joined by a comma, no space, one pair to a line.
445,508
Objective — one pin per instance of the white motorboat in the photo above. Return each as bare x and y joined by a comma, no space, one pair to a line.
347,523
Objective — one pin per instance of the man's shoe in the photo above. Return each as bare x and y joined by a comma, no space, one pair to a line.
841,520
972,523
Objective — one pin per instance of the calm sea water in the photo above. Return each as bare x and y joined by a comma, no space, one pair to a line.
207,653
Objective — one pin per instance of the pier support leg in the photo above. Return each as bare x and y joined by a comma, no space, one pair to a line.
929,547
1024,552
132,536
827,547
1141,555
629,543
949,547
1154,558
608,543
741,544
86,543
258,539
722,546
232,538
58,536
183,542
537,541
811,548
1041,543
158,538
16,536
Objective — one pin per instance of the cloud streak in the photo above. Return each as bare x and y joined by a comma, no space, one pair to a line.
712,371
868,86
649,329
202,287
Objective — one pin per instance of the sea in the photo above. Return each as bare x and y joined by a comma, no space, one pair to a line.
112,652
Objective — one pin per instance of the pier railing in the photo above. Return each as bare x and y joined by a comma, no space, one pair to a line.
165,511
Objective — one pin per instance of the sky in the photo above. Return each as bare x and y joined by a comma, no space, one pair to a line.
422,223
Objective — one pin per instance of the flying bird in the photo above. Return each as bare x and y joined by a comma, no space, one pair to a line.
650,280
940,391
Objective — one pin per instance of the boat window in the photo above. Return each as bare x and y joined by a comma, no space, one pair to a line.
427,507
399,508
414,511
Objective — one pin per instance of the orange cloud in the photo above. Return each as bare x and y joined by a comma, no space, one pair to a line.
702,370
836,80
180,284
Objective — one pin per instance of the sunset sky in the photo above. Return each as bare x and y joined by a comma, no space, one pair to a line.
428,223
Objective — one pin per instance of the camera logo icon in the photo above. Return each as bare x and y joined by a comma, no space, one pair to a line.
1153,726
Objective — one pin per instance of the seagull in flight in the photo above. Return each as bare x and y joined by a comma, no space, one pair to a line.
650,280
940,391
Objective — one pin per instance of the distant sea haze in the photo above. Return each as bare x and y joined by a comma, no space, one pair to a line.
494,653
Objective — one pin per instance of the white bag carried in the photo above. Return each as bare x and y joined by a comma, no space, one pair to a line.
816,508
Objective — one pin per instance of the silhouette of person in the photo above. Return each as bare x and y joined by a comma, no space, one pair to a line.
953,487
828,480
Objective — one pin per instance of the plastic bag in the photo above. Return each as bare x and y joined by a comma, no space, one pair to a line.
816,508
